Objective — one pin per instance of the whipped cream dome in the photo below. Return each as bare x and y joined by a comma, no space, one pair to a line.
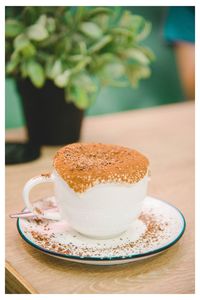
84,165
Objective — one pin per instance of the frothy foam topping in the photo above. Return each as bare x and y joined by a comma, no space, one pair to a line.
83,165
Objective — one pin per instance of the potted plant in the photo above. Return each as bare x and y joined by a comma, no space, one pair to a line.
61,56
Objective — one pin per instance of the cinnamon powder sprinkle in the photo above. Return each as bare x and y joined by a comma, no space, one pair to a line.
47,175
82,165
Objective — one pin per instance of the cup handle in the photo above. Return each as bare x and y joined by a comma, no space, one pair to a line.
46,178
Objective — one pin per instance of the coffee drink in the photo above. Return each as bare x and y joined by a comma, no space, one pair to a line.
99,188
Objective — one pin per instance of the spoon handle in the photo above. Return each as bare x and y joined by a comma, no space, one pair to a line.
26,214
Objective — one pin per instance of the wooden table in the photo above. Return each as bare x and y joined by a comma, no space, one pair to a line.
166,135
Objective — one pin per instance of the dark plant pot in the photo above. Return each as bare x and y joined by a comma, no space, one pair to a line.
49,118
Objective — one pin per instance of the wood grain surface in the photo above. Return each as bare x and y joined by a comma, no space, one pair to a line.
166,135
16,283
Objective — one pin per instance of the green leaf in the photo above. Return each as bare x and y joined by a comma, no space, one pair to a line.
42,20
86,81
55,69
98,11
81,65
36,73
122,31
113,70
83,47
117,12
113,74
83,90
91,30
29,51
51,25
80,97
29,15
144,32
68,18
11,66
131,21
80,13
37,32
20,42
24,72
137,55
62,80
102,20
23,45
136,24
76,57
148,52
100,44
126,19
136,72
49,65
13,28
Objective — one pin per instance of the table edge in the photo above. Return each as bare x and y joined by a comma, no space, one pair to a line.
15,283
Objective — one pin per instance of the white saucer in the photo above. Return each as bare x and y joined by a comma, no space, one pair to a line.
159,227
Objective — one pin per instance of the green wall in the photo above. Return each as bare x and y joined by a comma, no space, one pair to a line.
161,88
14,115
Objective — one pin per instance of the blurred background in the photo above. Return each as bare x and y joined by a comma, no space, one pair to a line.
166,84
153,46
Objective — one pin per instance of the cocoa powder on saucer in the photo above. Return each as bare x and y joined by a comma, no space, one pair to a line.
155,231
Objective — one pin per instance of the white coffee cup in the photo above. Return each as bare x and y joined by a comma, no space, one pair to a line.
103,211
